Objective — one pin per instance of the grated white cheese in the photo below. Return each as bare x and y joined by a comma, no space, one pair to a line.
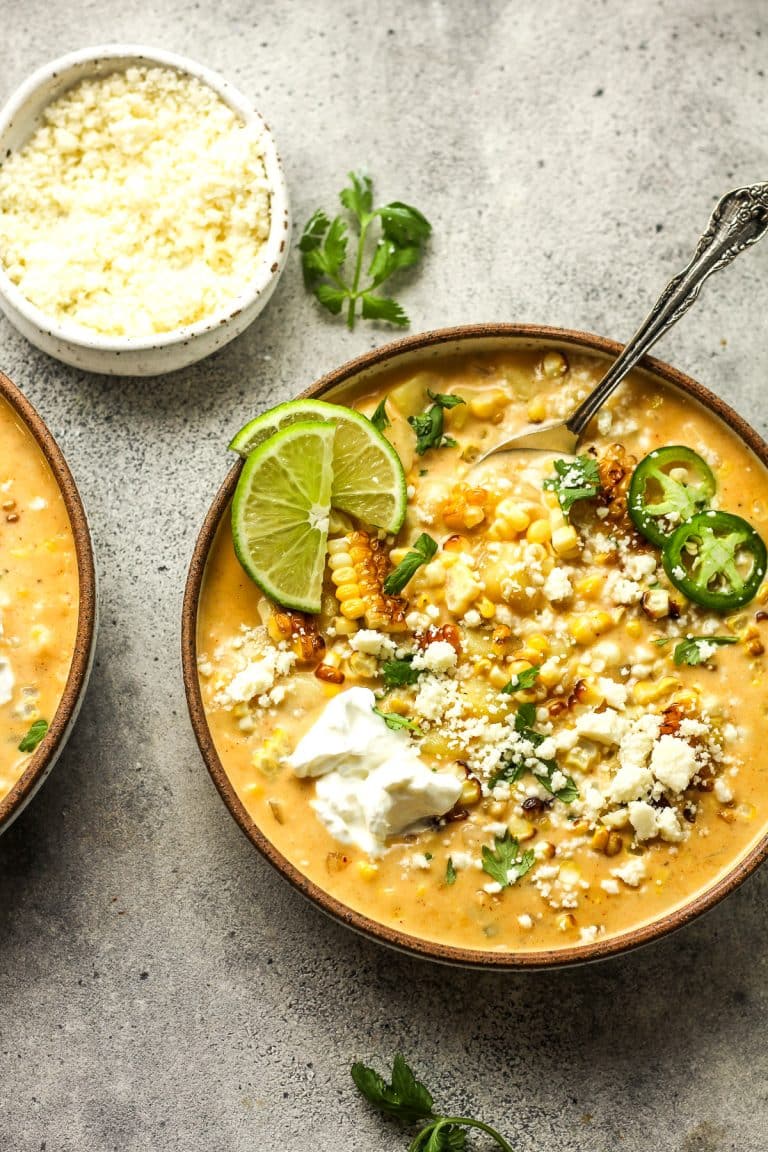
141,204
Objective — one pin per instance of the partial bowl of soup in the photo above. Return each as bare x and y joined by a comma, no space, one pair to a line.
47,602
524,730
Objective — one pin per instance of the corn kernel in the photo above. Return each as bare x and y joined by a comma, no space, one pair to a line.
353,608
337,546
471,792
367,869
539,532
348,592
586,629
590,586
566,922
554,364
634,629
565,541
488,404
514,514
537,409
342,576
646,691
498,677
339,559
486,608
538,641
344,627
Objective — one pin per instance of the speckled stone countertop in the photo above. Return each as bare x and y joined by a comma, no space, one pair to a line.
160,987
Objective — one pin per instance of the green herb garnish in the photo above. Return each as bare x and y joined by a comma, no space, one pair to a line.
522,680
577,479
421,553
399,673
693,650
428,425
506,863
515,763
395,721
379,419
450,873
407,1100
34,735
323,247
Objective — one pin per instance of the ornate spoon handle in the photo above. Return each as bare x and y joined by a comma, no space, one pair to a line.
739,219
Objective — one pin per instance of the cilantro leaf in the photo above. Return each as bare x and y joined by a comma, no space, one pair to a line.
445,1138
522,680
577,479
35,734
358,198
421,553
323,246
395,721
379,419
450,873
399,673
506,864
383,308
406,1098
696,649
516,762
428,425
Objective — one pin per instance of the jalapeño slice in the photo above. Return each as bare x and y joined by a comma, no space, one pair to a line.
716,559
667,487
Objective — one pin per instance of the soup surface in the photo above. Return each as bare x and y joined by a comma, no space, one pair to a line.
588,778
38,596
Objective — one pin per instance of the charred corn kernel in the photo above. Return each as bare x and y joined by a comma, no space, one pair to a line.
529,656
633,629
605,558
488,404
580,828
486,608
589,693
367,869
500,635
344,576
363,664
344,627
514,515
539,532
585,629
267,758
614,845
498,677
566,922
339,560
599,841
338,546
353,609
565,541
329,674
521,829
279,627
455,544
554,364
646,691
590,587
471,792
537,409
545,850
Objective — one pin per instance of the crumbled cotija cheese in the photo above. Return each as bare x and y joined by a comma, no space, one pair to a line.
140,205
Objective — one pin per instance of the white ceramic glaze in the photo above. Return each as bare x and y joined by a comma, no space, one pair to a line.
166,352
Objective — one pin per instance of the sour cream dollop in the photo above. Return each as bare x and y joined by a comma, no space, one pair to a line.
371,781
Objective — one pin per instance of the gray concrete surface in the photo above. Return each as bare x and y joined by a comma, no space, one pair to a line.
160,987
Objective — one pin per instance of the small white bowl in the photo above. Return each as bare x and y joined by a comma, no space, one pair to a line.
167,351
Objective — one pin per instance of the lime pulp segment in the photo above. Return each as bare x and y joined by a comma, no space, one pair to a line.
280,513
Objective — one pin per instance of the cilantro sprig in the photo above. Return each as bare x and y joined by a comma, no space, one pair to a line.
515,762
506,863
577,479
323,245
410,1102
520,681
400,673
421,553
428,425
395,721
697,649
34,736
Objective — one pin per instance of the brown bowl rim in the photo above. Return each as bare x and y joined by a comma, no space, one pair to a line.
44,756
402,941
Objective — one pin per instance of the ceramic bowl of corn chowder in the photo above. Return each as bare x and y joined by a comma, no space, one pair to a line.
546,748
47,602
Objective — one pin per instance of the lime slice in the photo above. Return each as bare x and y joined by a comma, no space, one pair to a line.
280,513
368,478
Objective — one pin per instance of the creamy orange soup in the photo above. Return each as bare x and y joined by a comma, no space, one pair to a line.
596,793
38,596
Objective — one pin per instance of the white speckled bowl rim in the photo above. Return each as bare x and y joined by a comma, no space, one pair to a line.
417,350
107,58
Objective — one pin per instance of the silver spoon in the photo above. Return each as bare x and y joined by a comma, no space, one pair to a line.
739,219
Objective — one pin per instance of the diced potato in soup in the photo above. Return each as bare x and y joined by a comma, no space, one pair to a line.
39,597
541,741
